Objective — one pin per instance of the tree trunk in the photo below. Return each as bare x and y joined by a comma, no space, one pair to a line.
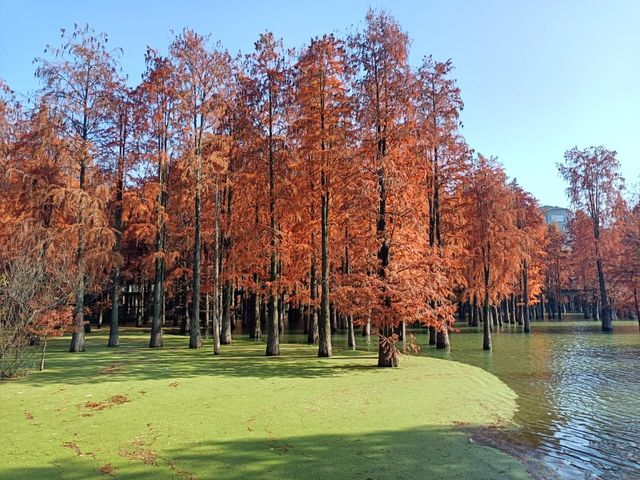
313,331
140,304
273,340
324,325
44,351
227,293
387,356
525,295
215,306
351,335
486,330
195,336
366,328
442,337
605,314
255,302
432,335
77,337
636,304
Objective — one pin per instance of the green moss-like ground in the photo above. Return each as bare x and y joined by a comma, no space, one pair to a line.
175,413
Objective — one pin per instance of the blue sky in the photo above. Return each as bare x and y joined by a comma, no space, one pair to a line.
537,77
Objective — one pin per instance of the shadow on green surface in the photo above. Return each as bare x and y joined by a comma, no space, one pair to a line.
419,453
133,361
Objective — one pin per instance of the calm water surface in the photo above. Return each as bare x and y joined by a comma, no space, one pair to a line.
579,392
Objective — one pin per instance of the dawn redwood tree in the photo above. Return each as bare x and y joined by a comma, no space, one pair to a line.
323,111
156,117
200,75
630,257
595,185
531,231
381,79
443,156
119,135
624,252
270,71
78,83
492,235
580,265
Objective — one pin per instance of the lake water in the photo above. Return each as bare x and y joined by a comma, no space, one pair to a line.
578,391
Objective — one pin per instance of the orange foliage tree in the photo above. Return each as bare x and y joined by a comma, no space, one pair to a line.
594,186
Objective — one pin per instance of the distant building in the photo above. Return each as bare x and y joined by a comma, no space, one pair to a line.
557,215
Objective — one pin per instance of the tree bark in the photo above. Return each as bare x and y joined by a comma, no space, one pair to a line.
313,331
77,337
432,335
227,292
351,335
486,330
525,294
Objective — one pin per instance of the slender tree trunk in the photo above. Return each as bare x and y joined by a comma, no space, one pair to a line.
77,337
366,328
273,322
215,310
486,330
273,340
195,336
636,304
605,314
156,340
257,331
44,351
351,334
140,304
324,325
115,305
100,315
525,294
115,299
313,331
227,292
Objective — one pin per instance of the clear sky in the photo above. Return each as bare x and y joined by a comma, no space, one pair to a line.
537,77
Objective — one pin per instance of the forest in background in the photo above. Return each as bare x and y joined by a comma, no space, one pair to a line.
329,187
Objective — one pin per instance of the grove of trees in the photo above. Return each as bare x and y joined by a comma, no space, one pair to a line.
328,187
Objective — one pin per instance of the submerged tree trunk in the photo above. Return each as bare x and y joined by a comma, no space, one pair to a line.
387,355
525,295
442,337
486,329
432,335
636,304
605,314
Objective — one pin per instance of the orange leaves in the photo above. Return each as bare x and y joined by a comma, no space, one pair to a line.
52,323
